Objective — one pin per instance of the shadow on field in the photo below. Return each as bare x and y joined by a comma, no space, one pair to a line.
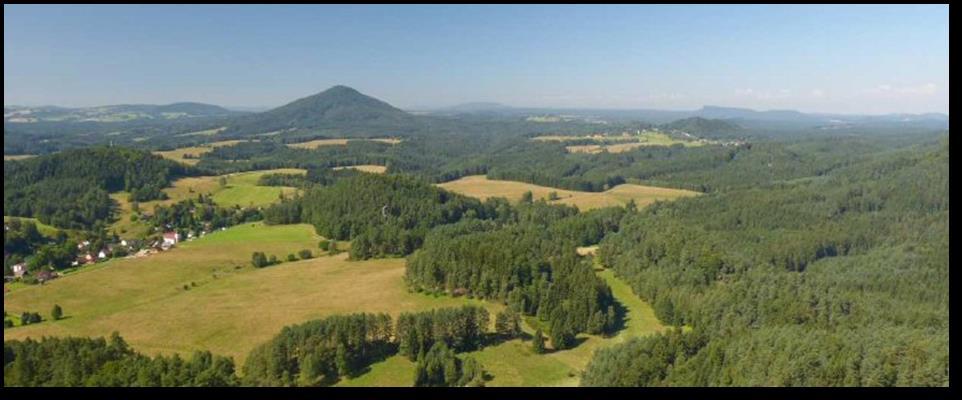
621,319
380,354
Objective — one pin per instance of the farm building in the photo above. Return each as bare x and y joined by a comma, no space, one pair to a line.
19,270
46,275
171,238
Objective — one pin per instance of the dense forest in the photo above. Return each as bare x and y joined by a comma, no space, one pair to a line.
526,259
320,352
101,362
838,280
69,189
381,215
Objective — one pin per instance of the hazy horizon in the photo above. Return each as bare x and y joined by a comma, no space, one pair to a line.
815,59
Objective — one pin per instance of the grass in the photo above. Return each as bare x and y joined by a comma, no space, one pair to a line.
196,151
647,138
44,229
233,306
241,189
514,363
14,157
374,169
481,187
395,371
620,143
207,132
313,144
230,307
587,250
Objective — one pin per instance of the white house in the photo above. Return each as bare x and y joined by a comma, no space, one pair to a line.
19,269
102,255
171,238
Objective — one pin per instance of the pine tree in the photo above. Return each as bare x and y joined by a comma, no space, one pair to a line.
57,312
538,342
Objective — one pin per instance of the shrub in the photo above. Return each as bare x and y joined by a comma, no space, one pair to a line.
259,260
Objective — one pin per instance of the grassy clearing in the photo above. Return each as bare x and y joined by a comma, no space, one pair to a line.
15,157
241,189
233,306
647,138
195,151
620,143
481,187
596,137
208,132
44,229
513,363
374,169
313,144
587,250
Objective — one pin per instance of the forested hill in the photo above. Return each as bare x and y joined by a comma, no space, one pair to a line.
839,280
340,111
382,215
703,127
69,189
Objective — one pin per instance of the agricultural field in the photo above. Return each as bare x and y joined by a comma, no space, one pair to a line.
313,144
229,306
195,151
207,132
619,143
240,189
374,169
481,187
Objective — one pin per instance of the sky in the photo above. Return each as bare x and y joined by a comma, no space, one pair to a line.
813,58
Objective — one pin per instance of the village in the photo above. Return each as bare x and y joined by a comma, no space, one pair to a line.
87,253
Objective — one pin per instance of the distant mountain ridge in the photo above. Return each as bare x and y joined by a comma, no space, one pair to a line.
341,111
702,126
742,116
477,106
113,113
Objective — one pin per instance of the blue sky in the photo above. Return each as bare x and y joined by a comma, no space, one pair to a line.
846,59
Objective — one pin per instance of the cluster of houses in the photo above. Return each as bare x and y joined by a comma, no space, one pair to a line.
88,255
19,270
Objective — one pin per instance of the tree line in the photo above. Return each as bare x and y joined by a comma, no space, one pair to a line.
71,361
